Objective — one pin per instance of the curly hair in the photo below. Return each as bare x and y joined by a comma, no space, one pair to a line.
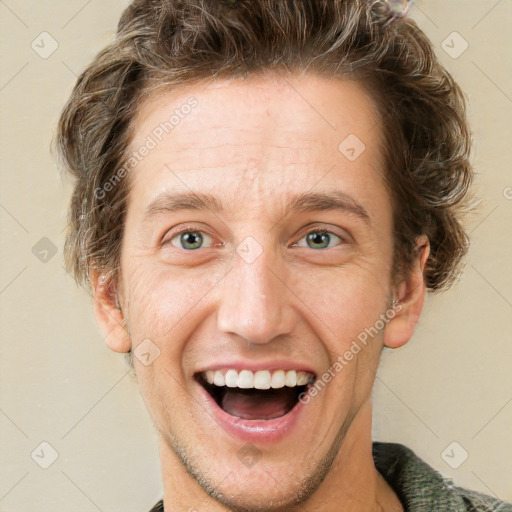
164,44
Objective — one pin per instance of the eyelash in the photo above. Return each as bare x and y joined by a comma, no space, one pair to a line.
321,231
190,229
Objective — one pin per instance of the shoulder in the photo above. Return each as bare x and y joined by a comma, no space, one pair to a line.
473,501
421,488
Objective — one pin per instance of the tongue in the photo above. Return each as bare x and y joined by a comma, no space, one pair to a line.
259,405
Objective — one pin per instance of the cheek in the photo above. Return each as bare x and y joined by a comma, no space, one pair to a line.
161,305
343,301
160,298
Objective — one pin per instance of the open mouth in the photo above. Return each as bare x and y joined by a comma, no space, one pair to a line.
261,395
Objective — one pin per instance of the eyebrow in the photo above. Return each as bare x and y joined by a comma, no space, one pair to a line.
332,200
169,202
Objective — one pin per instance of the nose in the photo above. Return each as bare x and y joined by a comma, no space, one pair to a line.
256,303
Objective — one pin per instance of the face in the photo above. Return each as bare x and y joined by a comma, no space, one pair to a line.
256,250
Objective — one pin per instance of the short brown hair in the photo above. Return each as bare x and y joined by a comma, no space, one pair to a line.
168,43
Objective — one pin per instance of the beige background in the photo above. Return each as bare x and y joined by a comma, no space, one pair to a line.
62,385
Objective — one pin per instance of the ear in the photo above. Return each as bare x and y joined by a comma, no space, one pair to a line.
410,297
108,313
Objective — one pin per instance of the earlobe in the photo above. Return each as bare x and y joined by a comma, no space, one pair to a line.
108,313
411,297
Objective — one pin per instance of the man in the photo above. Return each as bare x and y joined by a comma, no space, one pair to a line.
265,191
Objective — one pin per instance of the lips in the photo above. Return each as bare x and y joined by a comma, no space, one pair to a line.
255,404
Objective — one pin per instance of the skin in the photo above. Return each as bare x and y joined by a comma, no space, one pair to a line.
253,144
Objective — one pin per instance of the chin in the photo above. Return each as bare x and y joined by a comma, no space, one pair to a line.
257,485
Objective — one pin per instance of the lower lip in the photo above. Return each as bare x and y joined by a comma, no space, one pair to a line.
260,431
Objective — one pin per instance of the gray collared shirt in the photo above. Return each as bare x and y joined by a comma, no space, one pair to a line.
421,488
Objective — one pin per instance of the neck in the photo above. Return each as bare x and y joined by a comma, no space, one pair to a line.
353,483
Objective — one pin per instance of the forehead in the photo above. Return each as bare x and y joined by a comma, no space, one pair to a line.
246,137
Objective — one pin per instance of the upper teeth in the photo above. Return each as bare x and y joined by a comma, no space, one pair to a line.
262,379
